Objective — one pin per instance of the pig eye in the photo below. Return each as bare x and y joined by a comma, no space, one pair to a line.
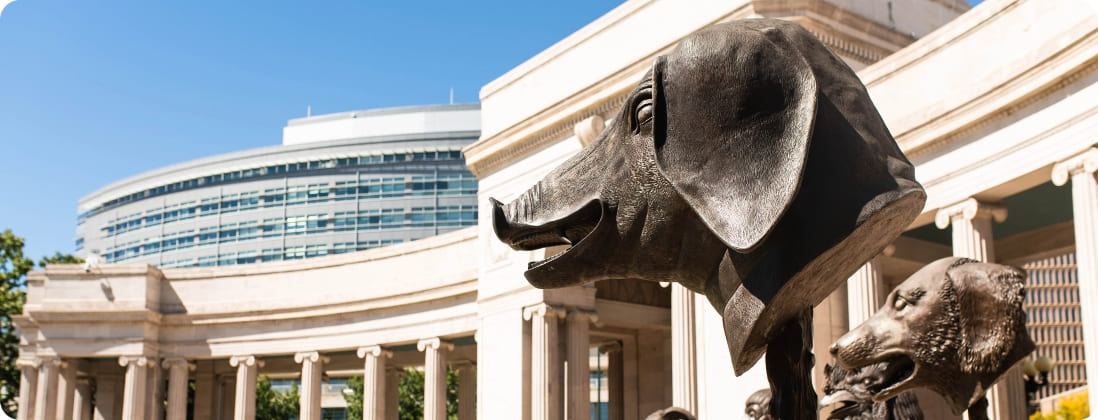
643,108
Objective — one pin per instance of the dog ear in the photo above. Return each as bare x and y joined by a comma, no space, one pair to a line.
989,302
735,111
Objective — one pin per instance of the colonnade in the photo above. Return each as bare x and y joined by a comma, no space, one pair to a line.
51,390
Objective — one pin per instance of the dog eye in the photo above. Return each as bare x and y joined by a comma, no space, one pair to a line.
899,303
867,381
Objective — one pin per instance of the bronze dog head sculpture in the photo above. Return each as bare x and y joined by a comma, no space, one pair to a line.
954,327
748,165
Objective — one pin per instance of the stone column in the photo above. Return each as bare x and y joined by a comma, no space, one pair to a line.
28,387
1080,170
972,238
866,291
107,406
467,390
246,368
434,382
205,386
615,378
81,404
134,391
154,406
66,387
578,324
684,362
392,393
312,374
373,382
45,407
178,378
546,400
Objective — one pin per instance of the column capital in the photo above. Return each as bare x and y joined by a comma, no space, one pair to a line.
127,361
26,363
543,310
376,351
588,129
463,364
1085,162
170,362
434,344
50,361
246,360
611,347
969,209
312,356
580,315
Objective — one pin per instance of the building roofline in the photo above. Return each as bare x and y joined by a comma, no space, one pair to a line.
382,111
216,164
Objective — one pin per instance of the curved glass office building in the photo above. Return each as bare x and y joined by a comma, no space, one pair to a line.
338,183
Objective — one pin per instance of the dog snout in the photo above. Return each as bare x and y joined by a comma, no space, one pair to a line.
854,348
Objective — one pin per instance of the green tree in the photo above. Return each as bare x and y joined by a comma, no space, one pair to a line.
1074,407
354,398
411,395
13,269
59,258
275,405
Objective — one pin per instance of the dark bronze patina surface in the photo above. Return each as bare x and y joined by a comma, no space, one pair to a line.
750,166
954,327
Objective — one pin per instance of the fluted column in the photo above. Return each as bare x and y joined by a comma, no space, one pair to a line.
684,363
246,368
154,404
972,238
107,405
578,323
615,379
178,377
434,382
467,390
866,291
1080,170
28,388
392,393
205,386
312,372
545,364
373,381
134,389
82,398
66,387
45,407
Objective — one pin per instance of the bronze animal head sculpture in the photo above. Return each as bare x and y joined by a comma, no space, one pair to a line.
954,327
851,392
757,406
749,165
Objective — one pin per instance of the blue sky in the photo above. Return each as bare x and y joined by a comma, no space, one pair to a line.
92,92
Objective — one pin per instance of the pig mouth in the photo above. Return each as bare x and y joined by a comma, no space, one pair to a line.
900,369
571,231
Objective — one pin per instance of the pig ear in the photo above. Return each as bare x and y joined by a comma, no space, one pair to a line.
737,111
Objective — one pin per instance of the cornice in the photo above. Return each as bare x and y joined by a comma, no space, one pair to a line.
602,99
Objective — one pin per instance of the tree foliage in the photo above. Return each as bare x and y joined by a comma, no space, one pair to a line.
13,269
411,395
275,405
59,258
1074,407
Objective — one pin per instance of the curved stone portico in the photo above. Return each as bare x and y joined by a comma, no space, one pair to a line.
998,110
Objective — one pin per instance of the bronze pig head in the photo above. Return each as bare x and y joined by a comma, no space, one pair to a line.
749,164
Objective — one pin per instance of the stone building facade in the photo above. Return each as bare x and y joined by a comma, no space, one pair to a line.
996,107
